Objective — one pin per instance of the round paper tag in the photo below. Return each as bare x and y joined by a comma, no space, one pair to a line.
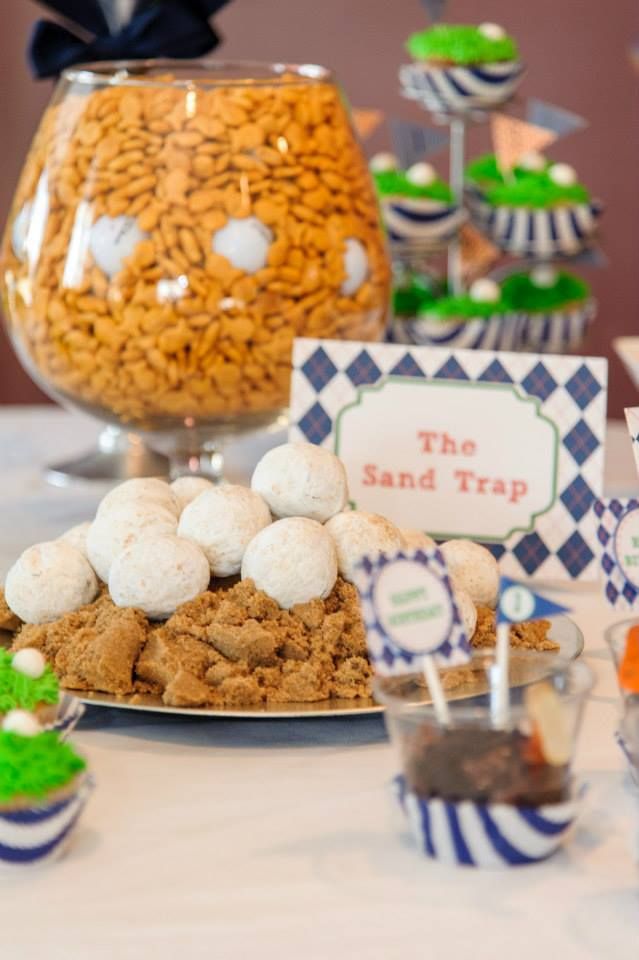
414,608
627,545
517,603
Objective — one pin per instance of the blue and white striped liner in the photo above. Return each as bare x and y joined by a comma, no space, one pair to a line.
560,231
37,834
560,331
631,758
460,89
69,711
415,218
501,332
472,834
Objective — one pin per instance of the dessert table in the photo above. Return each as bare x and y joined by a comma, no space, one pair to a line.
278,838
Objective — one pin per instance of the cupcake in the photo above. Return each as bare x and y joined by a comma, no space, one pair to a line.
479,319
28,683
555,308
43,788
417,206
460,68
540,210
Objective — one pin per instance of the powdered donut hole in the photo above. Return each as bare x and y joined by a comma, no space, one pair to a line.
222,521
147,490
49,580
293,561
120,526
357,535
467,611
77,536
416,540
474,569
301,480
186,489
157,574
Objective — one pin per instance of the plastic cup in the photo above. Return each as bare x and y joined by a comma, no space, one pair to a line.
482,796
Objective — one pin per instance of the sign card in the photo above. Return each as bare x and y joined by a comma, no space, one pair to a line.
618,539
503,448
410,612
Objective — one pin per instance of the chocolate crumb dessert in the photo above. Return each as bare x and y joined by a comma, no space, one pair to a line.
482,765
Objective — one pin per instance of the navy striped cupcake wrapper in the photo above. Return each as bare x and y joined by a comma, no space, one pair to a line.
501,332
561,231
558,331
415,219
460,89
69,711
489,835
38,834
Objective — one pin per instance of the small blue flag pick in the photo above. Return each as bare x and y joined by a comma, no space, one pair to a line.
434,8
410,613
518,603
559,120
412,142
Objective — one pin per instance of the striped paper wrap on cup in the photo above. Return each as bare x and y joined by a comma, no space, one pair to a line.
557,331
421,219
468,833
500,332
460,89
561,231
68,712
34,835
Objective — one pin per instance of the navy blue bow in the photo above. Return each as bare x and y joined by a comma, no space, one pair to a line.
164,28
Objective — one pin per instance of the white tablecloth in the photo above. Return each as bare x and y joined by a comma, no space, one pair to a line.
228,840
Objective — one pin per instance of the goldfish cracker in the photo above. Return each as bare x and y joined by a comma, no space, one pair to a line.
138,304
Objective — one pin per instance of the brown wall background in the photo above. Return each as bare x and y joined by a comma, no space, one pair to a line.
577,53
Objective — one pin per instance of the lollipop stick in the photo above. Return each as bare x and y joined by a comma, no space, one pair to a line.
499,688
436,690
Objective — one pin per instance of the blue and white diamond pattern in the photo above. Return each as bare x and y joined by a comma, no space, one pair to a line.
571,391
387,657
619,593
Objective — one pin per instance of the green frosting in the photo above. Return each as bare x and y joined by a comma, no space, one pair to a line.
521,293
18,690
411,297
462,308
394,183
525,188
460,44
32,767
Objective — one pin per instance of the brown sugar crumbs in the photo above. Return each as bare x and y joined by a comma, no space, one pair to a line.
231,647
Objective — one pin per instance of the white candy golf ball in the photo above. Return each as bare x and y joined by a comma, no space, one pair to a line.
19,231
30,662
492,31
382,162
421,174
484,290
543,276
563,174
355,265
244,243
112,240
22,722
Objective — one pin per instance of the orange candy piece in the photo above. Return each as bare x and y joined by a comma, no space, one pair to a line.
629,666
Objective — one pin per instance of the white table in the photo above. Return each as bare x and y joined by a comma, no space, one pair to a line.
228,840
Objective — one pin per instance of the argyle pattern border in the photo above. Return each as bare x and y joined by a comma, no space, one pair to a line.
389,659
572,391
618,591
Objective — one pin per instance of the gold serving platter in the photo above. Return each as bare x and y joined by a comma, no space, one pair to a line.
524,669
